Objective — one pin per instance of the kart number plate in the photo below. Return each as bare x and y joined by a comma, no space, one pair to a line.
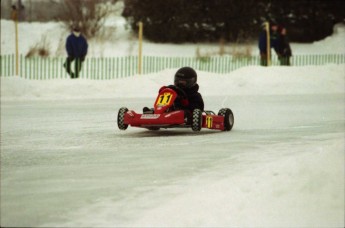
209,121
150,116
164,99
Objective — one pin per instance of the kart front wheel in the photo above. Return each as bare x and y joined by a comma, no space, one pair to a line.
196,120
121,118
228,118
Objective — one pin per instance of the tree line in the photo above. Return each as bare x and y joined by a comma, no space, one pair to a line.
180,21
207,21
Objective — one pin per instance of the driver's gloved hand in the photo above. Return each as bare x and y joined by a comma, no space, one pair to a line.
185,102
147,110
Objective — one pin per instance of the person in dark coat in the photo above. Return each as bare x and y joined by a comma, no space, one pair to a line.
185,79
76,47
279,42
284,49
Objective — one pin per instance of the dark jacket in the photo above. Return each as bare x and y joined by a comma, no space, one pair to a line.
194,98
76,46
279,42
284,47
274,40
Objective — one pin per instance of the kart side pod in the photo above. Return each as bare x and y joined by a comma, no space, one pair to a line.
223,121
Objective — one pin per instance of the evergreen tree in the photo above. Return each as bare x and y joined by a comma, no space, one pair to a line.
206,20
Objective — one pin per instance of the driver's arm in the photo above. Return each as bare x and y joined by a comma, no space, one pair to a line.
182,100
163,87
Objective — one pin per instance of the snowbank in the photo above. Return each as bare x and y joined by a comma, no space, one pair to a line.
253,80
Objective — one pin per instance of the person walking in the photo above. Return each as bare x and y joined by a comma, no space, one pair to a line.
76,47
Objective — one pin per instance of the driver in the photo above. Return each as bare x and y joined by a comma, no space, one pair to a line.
186,79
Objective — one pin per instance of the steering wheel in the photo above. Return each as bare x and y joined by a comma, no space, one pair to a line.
179,91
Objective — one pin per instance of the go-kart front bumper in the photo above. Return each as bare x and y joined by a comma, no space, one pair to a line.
175,118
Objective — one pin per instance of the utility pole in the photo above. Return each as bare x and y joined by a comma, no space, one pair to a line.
140,56
14,16
268,42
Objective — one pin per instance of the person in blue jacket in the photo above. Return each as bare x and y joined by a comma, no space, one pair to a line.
279,42
76,47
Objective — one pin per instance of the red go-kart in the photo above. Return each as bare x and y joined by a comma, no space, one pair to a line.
165,115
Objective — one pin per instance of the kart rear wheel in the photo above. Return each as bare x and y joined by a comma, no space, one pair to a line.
196,120
121,118
228,118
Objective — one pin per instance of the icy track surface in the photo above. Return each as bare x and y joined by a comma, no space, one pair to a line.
64,162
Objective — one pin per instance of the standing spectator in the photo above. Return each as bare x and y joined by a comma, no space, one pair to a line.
18,11
14,13
285,50
76,47
279,42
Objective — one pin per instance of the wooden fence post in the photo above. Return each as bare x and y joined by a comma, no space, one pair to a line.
14,16
140,57
268,43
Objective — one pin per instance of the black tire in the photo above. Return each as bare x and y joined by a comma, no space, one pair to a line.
120,119
228,118
196,120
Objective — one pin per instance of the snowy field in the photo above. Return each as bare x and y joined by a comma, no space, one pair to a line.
64,162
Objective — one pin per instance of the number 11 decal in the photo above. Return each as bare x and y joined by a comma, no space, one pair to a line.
164,99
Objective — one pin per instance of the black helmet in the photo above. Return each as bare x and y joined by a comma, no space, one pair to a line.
185,77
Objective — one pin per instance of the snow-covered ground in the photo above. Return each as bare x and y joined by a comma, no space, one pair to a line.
65,163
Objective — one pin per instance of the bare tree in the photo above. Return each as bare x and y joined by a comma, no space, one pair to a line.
88,15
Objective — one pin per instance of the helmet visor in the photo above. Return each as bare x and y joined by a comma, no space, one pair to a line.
184,82
181,83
